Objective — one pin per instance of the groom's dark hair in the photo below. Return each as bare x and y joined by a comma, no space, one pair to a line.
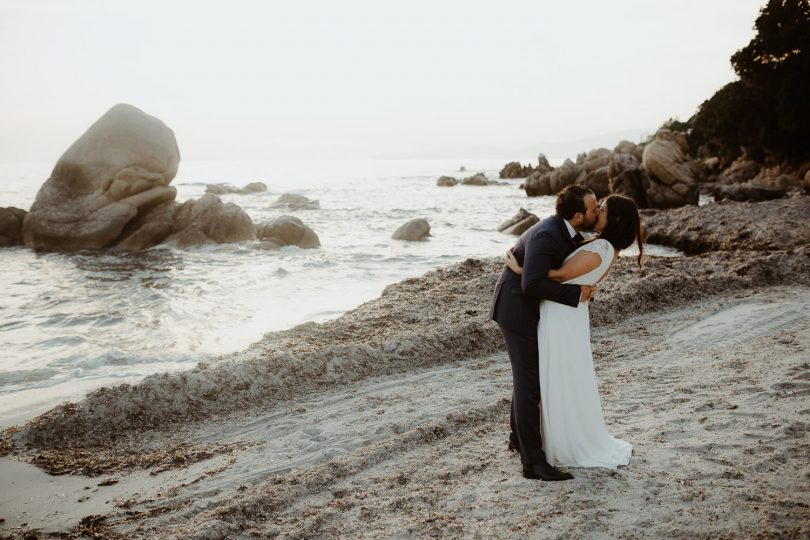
571,199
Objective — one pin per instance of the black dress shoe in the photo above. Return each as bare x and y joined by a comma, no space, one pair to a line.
544,471
514,447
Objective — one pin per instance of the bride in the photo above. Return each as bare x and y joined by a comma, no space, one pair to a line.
573,428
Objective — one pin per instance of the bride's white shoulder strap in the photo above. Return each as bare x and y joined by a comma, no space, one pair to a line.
599,246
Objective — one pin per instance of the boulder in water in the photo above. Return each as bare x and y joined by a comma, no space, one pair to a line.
11,222
120,167
520,223
478,179
415,229
446,181
227,189
208,220
288,231
295,202
514,169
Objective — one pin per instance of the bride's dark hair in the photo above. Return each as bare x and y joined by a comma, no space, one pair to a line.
623,224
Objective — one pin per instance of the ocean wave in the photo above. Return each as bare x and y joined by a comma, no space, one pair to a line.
118,358
12,325
17,377
61,341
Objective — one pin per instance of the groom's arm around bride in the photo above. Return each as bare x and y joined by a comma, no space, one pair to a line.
543,252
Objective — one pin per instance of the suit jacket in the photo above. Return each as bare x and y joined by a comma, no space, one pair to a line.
516,300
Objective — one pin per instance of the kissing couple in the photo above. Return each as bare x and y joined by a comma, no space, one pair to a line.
540,303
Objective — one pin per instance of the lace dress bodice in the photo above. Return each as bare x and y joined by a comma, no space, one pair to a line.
604,249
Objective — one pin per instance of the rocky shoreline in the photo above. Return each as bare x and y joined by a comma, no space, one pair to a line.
192,425
764,226
437,318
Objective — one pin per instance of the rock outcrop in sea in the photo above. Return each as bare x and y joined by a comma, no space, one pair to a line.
11,222
519,223
293,201
111,189
227,189
550,182
412,231
657,174
288,231
514,169
478,179
121,167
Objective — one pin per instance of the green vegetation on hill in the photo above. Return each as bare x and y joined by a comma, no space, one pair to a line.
767,112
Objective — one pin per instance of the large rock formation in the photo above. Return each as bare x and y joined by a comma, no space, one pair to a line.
741,170
779,176
519,223
549,183
626,175
673,178
446,181
478,179
514,169
596,164
288,231
119,168
746,192
543,164
208,220
195,222
762,226
11,222
415,229
111,189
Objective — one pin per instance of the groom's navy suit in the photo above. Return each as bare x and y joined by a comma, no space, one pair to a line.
515,307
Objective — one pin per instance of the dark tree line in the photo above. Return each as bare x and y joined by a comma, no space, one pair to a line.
766,113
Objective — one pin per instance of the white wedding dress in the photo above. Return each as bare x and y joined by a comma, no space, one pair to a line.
574,432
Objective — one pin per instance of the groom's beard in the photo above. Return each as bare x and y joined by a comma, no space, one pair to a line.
587,227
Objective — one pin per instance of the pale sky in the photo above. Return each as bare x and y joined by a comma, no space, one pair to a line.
361,79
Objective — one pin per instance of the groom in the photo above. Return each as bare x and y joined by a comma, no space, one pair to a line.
515,307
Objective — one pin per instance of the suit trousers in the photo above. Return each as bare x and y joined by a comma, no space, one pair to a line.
525,414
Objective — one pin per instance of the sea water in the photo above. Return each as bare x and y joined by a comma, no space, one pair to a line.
71,322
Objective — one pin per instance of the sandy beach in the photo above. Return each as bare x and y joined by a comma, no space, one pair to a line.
392,421
248,255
